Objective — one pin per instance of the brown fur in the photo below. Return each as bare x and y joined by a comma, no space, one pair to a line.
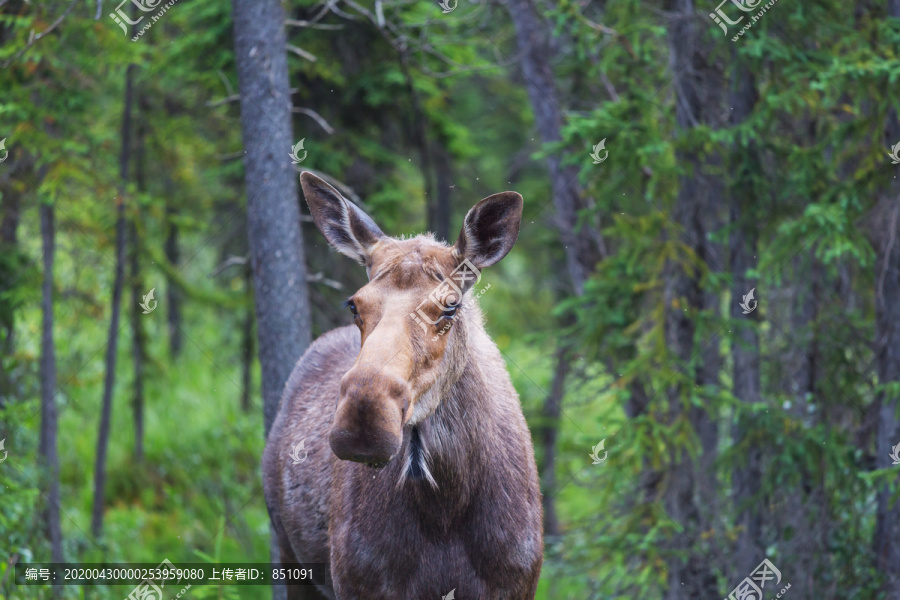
472,521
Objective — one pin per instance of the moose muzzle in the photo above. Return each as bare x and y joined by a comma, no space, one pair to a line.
368,423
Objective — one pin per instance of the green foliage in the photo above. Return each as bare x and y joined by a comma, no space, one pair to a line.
810,155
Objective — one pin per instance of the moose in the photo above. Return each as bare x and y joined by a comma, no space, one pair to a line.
419,478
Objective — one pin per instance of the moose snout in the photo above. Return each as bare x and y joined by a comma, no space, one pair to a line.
368,423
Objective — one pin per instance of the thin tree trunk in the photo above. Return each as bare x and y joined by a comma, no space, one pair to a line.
138,347
48,441
112,342
747,476
273,210
419,134
583,247
173,293
247,342
549,431
138,335
440,212
10,206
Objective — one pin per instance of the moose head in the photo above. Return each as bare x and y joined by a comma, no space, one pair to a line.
410,315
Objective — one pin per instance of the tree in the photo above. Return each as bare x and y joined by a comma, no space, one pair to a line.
745,168
48,445
115,307
886,225
690,574
582,249
273,212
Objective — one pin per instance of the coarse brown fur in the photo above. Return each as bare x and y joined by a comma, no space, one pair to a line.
455,504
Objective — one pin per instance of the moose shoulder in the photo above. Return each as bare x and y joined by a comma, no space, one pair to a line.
419,476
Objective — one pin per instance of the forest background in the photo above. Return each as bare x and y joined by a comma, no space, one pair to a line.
674,157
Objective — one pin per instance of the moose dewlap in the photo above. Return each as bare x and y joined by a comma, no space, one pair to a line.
419,476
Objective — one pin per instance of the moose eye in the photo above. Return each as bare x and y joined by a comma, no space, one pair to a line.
450,311
352,306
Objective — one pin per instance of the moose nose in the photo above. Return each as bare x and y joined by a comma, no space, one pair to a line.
368,422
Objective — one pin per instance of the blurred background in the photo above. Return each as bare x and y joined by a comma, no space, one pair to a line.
701,315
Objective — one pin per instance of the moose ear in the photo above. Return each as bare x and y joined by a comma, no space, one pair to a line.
490,229
347,228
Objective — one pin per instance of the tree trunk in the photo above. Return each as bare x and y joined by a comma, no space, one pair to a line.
10,206
549,431
48,445
273,211
690,574
112,342
419,137
247,343
138,347
887,351
583,247
746,477
173,293
440,206
138,335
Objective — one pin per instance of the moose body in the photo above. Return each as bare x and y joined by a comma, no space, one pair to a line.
419,476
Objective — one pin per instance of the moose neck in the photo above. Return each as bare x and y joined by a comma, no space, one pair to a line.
441,448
